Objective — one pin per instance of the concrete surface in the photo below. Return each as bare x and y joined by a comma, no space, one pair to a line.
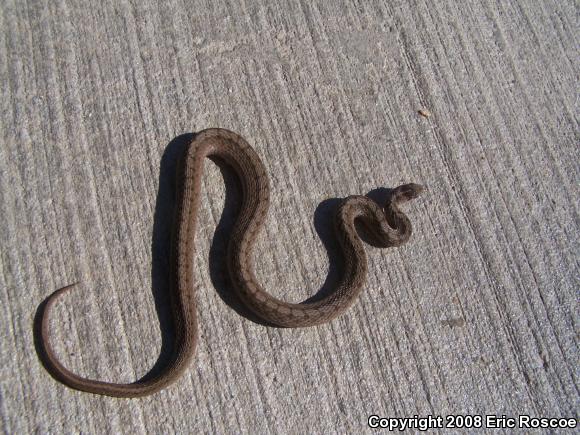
477,314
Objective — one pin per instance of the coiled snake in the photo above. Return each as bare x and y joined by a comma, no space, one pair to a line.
387,226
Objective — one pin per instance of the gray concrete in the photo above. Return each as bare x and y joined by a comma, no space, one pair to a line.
478,313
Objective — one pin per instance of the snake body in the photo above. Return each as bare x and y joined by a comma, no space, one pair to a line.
387,226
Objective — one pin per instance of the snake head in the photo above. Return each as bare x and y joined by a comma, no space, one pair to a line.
406,192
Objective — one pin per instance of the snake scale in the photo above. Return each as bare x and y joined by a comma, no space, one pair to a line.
386,226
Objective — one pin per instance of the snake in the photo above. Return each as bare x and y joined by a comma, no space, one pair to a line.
385,226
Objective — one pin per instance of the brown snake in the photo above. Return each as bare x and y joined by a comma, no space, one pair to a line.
386,226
